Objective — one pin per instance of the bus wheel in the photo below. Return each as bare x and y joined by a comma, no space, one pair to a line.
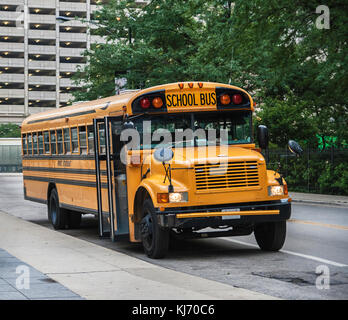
270,236
154,238
73,219
56,215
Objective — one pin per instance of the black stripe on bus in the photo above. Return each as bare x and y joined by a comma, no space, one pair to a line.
63,116
63,170
65,181
35,199
59,157
80,209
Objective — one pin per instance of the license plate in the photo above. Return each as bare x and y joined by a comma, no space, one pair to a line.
229,217
191,99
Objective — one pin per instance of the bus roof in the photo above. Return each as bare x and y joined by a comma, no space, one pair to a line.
85,111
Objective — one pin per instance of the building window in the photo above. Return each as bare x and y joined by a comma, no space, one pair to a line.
67,141
47,142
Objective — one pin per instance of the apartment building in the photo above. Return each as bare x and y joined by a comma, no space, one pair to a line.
39,54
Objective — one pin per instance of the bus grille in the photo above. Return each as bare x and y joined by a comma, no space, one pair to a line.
227,175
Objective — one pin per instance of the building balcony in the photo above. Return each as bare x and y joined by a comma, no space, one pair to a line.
12,77
71,52
42,95
72,6
11,32
12,93
72,37
42,34
12,46
42,65
12,62
65,97
42,80
69,67
33,49
42,4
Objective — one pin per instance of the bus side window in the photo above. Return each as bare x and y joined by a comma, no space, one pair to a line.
101,129
74,140
53,142
30,144
47,142
83,140
24,144
35,143
90,137
60,141
40,138
67,141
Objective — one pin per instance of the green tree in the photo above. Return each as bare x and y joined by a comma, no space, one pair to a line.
10,130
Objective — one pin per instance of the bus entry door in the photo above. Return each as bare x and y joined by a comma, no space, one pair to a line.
112,222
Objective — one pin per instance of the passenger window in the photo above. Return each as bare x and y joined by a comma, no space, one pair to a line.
53,142
102,148
67,140
40,138
90,136
60,141
47,142
35,143
30,144
24,144
74,140
83,141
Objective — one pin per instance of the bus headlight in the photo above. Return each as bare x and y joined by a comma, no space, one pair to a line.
276,190
178,197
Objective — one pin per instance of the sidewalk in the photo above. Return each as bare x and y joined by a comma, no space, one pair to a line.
19,281
312,198
94,272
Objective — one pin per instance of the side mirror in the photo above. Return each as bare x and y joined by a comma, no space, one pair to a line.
128,125
262,136
294,147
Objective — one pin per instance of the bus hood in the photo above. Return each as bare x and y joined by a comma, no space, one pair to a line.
214,155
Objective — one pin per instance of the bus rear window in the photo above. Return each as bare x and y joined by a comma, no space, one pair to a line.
53,142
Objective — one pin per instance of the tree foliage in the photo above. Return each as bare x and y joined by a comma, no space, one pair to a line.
10,130
296,72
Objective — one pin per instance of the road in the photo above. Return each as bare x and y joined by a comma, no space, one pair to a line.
317,239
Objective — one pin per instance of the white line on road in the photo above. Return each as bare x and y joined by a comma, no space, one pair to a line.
333,263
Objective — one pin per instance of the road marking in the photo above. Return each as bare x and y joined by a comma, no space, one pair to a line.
327,225
333,263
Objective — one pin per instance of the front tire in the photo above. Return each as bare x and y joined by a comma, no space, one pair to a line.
155,239
270,236
56,215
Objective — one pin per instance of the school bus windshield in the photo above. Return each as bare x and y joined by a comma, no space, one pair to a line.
208,128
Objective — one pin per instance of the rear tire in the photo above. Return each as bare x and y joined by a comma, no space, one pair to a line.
270,236
155,239
56,215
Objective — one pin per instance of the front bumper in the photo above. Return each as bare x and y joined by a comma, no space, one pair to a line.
227,215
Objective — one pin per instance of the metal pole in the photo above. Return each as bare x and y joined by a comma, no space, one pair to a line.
97,176
109,179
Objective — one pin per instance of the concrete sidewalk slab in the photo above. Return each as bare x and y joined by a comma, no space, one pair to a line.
39,286
95,272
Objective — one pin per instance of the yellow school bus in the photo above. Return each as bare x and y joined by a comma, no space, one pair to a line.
77,161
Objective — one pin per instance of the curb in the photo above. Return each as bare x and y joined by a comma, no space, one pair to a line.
338,203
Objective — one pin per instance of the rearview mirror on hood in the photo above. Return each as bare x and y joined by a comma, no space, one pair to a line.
262,136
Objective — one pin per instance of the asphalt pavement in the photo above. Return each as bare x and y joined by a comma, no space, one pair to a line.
315,249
